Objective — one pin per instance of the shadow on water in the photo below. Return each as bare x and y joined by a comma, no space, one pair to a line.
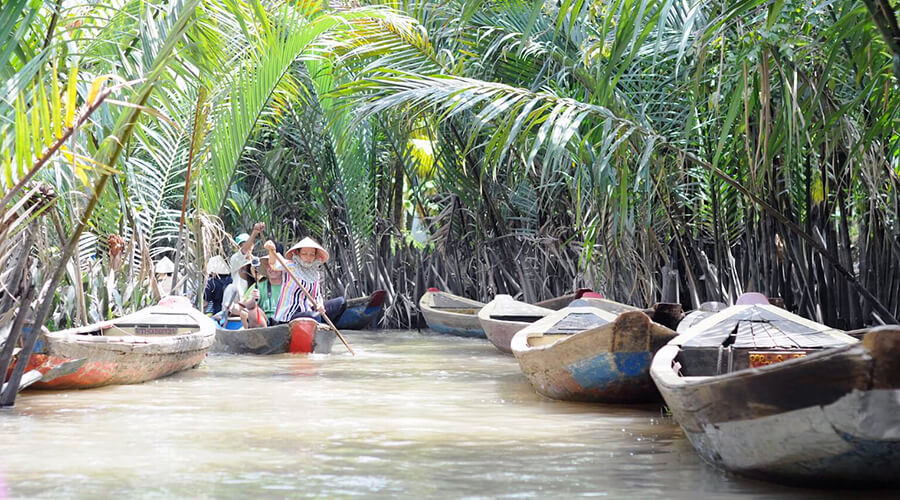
412,416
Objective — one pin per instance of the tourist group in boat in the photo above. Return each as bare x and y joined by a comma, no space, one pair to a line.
758,391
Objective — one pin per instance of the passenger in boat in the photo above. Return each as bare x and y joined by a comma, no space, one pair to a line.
269,286
218,278
245,247
241,297
304,260
164,269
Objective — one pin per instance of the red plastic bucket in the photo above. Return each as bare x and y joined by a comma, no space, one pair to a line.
303,331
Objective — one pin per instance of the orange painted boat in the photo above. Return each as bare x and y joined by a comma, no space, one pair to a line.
151,343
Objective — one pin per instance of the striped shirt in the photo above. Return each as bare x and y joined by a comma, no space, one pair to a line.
292,299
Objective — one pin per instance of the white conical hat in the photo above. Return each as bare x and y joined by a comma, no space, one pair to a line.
217,265
309,243
165,266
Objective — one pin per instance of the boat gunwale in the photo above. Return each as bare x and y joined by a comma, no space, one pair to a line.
666,375
526,334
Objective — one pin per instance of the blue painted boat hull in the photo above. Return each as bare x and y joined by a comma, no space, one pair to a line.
450,314
607,364
362,311
357,318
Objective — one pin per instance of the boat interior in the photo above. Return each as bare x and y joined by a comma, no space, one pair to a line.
752,338
568,325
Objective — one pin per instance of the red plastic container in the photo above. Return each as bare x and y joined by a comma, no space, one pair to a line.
303,331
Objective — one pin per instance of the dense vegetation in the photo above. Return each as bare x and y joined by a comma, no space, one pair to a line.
676,150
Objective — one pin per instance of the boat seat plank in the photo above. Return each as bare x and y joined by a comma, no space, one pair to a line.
576,322
513,317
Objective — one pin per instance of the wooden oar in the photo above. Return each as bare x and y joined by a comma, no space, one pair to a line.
313,300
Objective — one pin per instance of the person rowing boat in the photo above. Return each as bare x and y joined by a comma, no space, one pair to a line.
304,260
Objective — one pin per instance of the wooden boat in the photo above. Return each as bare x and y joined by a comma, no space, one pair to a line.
557,303
151,343
451,314
583,353
666,314
502,317
765,393
299,336
361,311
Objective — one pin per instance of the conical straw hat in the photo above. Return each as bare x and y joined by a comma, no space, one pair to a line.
217,265
165,266
309,243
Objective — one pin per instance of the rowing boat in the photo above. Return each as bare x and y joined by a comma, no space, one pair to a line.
502,317
151,343
768,394
304,335
451,314
361,311
584,353
557,303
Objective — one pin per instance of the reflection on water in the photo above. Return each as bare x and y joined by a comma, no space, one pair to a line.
414,416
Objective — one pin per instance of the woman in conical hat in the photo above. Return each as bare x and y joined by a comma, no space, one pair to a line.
305,261
219,277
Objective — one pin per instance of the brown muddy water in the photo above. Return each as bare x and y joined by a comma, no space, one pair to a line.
411,416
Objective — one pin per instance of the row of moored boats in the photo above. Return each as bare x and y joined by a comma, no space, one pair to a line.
758,390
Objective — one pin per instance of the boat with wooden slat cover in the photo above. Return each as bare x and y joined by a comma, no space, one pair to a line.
277,339
768,394
361,311
151,343
451,314
502,317
584,353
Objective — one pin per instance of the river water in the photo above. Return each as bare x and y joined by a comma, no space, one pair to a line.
411,416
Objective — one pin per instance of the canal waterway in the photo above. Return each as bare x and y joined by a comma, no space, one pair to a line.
411,416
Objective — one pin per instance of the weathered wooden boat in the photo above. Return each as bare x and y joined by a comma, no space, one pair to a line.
502,317
300,336
557,303
666,314
765,393
583,353
151,343
361,311
451,314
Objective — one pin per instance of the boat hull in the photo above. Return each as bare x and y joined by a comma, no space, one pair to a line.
151,343
500,332
118,360
362,311
832,417
504,316
458,318
608,364
462,325
278,339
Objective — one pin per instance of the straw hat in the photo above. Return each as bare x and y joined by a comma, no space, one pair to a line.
217,265
309,243
237,264
165,266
